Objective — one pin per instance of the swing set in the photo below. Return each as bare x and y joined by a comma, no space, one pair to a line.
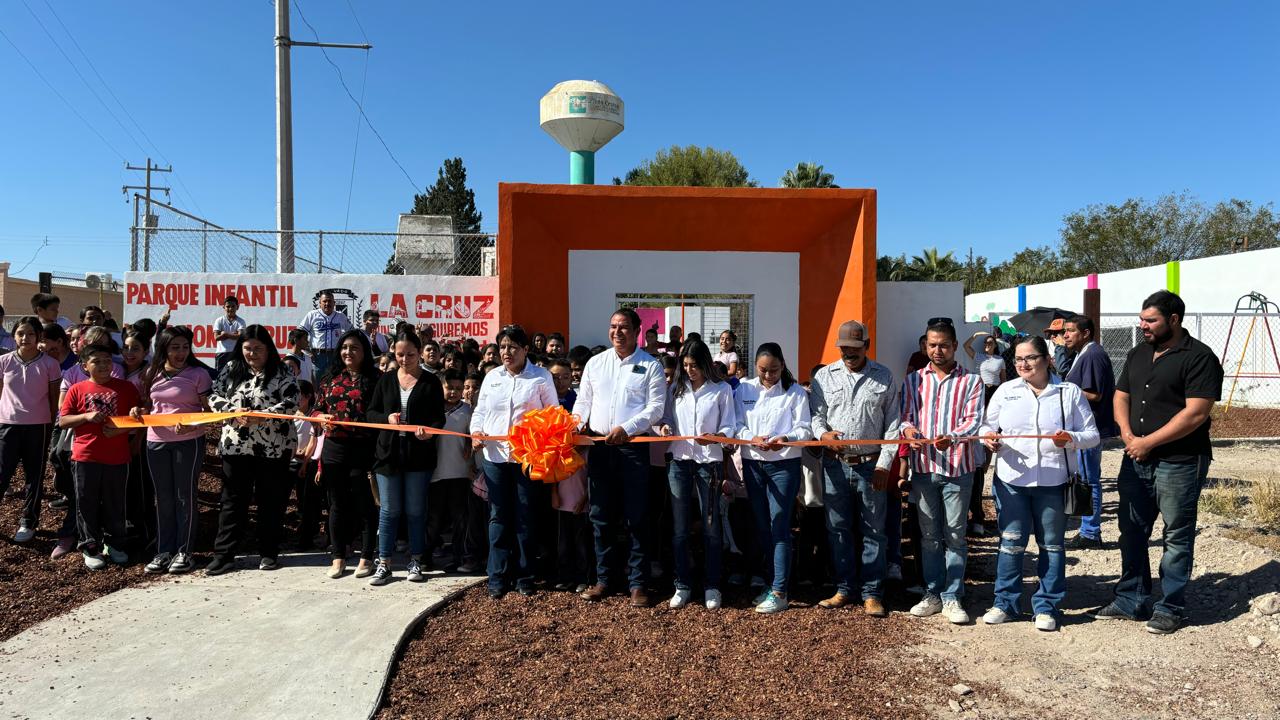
1255,305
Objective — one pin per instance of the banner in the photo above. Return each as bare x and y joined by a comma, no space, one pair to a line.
454,306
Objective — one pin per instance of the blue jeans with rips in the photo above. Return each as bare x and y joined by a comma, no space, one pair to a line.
1172,491
402,493
944,507
511,525
849,498
771,488
1091,469
693,483
1024,511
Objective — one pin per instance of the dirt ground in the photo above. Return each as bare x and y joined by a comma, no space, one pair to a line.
1208,669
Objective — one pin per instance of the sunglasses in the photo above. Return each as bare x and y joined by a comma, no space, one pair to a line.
941,321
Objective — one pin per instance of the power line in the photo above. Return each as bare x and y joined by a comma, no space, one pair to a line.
89,61
358,104
61,97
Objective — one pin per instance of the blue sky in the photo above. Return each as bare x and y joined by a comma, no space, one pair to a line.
980,124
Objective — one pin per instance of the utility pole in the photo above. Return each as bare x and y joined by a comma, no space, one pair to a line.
147,218
284,134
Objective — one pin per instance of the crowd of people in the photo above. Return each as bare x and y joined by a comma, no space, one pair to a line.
901,460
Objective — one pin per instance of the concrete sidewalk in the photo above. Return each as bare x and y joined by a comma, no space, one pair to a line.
250,644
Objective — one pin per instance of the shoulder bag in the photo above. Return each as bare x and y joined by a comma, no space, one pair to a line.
1077,496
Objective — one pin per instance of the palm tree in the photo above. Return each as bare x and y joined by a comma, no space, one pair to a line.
808,175
929,266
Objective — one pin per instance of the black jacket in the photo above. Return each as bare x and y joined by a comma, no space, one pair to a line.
403,452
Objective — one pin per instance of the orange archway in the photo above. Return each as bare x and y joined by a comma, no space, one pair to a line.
833,231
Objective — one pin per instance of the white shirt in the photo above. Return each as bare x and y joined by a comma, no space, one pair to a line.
1015,410
706,411
504,398
728,358
770,412
325,329
222,324
629,392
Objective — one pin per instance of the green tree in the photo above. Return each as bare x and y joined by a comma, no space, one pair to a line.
451,196
930,266
808,175
690,166
893,269
1026,267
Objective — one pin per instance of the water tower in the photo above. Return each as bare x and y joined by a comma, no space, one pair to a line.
582,115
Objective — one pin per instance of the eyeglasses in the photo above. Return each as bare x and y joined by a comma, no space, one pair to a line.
1028,360
941,321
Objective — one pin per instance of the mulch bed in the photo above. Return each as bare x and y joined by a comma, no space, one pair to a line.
555,655
1245,422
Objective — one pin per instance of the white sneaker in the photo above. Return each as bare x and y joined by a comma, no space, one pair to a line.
94,562
893,571
681,598
24,533
118,557
996,616
929,605
1047,623
955,613
713,599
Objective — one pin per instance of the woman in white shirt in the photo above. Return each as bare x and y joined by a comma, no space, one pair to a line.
1030,474
508,392
702,405
772,408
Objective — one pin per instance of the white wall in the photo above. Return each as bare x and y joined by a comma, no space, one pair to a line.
903,309
1206,285
597,276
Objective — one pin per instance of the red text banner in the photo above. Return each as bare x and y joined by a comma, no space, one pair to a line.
454,306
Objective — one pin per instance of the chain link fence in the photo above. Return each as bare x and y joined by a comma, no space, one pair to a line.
1246,344
167,239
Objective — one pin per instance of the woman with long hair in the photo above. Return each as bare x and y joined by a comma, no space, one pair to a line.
255,451
1030,474
701,405
403,461
772,408
509,390
347,455
174,382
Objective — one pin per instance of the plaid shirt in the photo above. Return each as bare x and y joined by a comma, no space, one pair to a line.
949,406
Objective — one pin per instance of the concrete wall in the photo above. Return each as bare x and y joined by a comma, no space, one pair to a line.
597,276
1206,285
903,310
15,297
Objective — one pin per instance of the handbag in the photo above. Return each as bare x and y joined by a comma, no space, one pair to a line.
1077,496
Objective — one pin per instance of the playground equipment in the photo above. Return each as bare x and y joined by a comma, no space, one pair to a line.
1256,305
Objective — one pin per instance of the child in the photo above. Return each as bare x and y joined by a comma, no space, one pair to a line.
302,468
227,330
451,480
140,496
578,357
562,372
101,455
299,349
371,321
29,381
45,306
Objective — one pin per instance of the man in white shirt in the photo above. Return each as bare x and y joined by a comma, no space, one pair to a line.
623,394
324,326
856,398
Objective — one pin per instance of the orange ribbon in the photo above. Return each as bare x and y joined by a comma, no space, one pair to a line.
544,443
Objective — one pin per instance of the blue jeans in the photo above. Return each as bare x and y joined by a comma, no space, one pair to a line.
944,506
618,488
403,493
1172,491
849,498
687,477
1091,468
511,525
1024,510
771,488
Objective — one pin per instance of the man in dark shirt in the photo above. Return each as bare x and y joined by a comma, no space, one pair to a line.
1091,372
1163,398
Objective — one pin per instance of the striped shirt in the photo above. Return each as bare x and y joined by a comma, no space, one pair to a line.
949,406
